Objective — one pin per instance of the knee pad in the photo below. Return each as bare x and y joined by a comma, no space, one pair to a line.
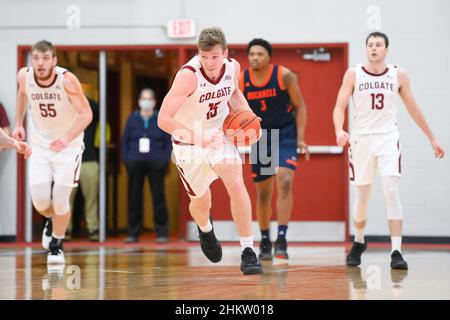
392,197
61,199
41,196
362,202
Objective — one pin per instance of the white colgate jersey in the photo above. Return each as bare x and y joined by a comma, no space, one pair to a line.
375,99
51,112
207,106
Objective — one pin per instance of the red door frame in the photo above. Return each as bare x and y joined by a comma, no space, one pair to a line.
182,58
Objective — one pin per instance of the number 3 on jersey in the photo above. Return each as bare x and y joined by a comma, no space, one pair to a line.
47,110
377,101
212,112
263,105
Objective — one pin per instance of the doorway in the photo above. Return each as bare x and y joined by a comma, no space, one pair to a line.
129,69
320,189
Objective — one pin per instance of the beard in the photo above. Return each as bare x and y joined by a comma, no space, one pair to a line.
255,65
47,76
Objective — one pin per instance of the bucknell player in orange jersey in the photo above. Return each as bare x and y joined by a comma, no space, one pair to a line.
273,93
375,141
58,114
200,98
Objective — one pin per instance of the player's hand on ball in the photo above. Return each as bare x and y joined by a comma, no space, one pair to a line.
19,134
438,150
59,144
22,148
342,138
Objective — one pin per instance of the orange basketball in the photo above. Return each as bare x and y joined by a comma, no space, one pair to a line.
242,127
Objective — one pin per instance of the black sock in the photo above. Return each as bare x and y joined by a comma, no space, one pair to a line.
282,230
56,243
265,234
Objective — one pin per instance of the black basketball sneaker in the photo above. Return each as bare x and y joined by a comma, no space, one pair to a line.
55,253
354,256
280,251
397,261
265,249
250,264
210,246
47,233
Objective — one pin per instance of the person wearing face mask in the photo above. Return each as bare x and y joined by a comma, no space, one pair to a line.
146,153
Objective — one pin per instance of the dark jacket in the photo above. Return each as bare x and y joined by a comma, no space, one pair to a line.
137,128
91,152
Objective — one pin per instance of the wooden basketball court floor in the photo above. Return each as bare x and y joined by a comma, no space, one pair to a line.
179,271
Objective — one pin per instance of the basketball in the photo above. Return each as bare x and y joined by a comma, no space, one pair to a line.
242,127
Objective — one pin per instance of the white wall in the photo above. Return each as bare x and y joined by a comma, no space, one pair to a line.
419,31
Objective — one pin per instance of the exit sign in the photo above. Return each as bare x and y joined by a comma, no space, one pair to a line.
181,29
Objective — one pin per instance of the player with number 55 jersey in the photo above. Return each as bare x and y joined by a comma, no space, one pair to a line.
58,114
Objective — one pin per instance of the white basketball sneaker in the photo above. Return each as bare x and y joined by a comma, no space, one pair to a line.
55,252
47,233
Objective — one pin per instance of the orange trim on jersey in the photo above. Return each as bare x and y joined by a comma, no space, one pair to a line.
265,82
280,78
241,82
292,162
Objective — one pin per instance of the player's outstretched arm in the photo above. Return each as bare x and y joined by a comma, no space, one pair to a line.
79,101
183,86
9,142
5,140
290,82
416,113
237,100
340,107
21,100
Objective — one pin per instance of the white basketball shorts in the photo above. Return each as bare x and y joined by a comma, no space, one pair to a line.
369,152
61,167
195,165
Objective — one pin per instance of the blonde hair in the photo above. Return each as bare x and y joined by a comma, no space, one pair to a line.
44,46
211,37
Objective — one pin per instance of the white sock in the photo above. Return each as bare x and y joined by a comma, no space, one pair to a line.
396,244
246,242
57,237
206,228
359,235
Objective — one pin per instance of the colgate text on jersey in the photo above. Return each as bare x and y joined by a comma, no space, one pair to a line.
215,94
46,96
377,85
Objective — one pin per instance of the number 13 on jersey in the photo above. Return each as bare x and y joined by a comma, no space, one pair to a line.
377,101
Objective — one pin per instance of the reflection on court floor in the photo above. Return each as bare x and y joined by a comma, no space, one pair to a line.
180,271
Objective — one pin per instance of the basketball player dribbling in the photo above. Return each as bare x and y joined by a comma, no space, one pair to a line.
375,143
200,98
273,93
11,143
59,113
